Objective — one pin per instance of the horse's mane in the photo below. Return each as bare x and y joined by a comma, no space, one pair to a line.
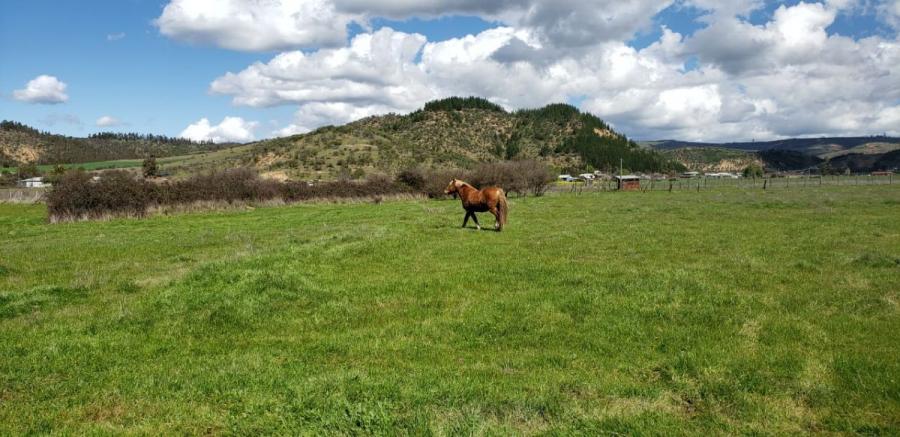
464,184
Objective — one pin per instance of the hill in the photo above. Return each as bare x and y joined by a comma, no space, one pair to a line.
820,147
858,154
449,133
21,144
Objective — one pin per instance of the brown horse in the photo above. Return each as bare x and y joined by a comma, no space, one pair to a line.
491,199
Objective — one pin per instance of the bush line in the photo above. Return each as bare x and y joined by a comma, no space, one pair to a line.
80,196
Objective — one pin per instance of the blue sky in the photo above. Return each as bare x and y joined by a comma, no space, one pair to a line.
116,62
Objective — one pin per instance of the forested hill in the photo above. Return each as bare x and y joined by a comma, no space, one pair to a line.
21,144
454,133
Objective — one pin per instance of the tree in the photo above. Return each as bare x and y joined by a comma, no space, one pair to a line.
753,171
29,170
150,168
56,174
512,150
825,168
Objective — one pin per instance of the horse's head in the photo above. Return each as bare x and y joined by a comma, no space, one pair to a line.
453,187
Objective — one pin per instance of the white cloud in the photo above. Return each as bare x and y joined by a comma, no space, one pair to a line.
254,25
231,129
108,121
375,68
890,12
731,80
115,36
43,89
564,24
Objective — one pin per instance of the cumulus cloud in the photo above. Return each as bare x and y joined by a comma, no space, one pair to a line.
733,79
43,89
376,69
108,121
230,130
253,25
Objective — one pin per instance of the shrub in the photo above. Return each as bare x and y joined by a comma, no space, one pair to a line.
149,167
753,171
520,177
77,196
118,193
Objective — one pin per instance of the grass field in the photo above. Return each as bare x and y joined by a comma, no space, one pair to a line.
165,163
724,311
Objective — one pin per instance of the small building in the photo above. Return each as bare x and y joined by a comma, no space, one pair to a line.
35,182
587,176
628,183
722,175
566,178
882,173
690,174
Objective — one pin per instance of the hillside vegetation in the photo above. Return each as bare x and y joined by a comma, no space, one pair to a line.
713,159
21,144
724,312
450,133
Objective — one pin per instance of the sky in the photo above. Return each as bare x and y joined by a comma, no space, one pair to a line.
243,70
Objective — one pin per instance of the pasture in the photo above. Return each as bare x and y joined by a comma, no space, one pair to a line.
721,311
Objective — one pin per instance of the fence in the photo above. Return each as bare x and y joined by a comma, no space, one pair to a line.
702,183
22,195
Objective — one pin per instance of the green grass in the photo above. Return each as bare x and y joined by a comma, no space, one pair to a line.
98,165
717,312
167,162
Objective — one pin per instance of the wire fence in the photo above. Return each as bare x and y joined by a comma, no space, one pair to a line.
22,195
709,183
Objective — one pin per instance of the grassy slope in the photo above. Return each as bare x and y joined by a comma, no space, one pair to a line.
673,313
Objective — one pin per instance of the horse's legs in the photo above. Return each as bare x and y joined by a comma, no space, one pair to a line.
496,213
466,220
475,218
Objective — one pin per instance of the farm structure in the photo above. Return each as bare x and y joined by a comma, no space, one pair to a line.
628,183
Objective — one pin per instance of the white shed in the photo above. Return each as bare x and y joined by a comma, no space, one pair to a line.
35,182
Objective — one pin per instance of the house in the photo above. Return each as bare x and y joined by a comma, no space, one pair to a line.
35,182
566,178
587,176
628,183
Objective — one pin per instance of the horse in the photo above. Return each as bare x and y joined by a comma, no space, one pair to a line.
491,199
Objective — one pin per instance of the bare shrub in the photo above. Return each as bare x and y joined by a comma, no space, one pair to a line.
431,182
117,194
77,196
519,177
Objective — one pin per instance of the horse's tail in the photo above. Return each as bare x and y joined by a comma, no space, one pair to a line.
502,209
